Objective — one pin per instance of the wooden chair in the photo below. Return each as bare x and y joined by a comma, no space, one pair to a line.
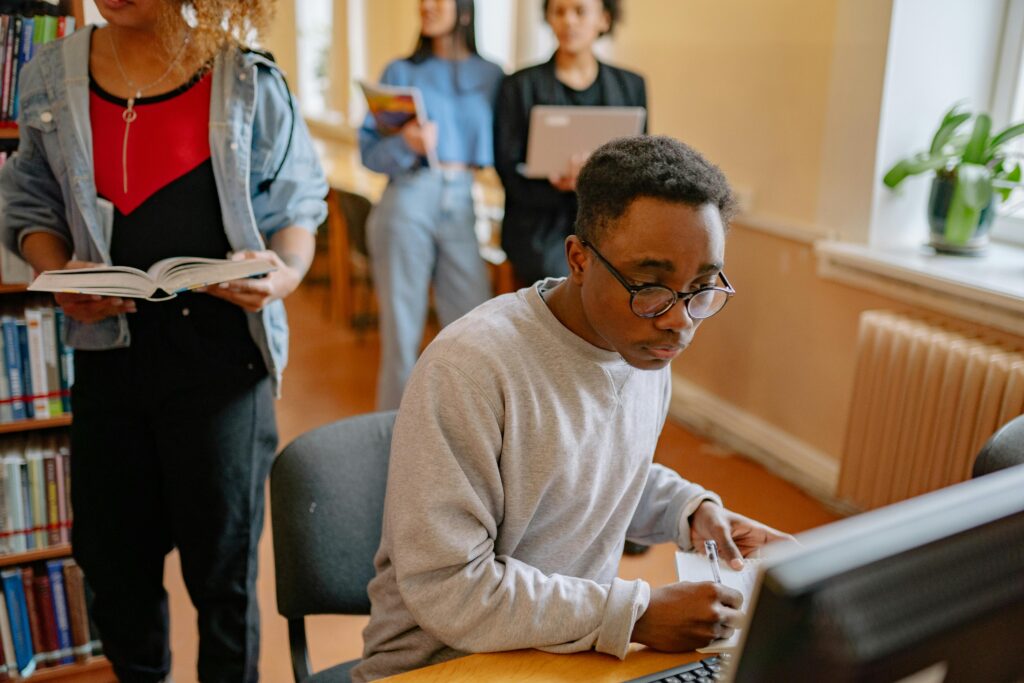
350,297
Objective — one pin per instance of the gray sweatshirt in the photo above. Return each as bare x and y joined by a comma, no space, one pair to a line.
521,460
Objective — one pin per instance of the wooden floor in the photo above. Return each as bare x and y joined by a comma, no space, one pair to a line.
331,375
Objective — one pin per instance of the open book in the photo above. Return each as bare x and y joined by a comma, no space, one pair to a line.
164,280
393,106
691,566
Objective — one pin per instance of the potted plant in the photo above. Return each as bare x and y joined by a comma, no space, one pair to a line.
971,169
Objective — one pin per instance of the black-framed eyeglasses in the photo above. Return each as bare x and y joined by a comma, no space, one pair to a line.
650,301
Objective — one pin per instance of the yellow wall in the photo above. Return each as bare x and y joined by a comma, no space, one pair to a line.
746,82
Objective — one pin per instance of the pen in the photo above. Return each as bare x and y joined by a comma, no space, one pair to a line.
711,548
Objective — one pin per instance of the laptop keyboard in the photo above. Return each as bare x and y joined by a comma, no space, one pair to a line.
710,669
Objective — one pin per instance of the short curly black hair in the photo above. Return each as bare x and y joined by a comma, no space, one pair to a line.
612,7
654,166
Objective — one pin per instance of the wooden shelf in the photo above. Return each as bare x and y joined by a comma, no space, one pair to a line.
30,556
12,289
8,133
92,670
31,425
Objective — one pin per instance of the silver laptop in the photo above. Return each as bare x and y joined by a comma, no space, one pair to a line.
557,133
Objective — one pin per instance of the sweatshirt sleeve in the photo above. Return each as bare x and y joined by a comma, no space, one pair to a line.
665,507
443,514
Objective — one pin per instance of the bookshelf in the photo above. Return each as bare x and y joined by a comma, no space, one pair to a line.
94,669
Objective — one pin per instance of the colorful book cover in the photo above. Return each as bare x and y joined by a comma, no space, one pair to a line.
55,570
12,107
69,25
47,620
8,67
66,364
394,106
51,360
35,627
26,372
49,28
21,631
37,362
12,363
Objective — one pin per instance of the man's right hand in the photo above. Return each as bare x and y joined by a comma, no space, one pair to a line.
684,616
90,308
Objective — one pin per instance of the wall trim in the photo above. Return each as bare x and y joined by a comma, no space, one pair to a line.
781,227
778,451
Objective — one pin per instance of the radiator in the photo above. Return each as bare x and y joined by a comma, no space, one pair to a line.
925,399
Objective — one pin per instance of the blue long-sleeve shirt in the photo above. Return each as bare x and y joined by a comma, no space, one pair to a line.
459,97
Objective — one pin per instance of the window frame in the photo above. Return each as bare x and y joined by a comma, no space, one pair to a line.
1008,106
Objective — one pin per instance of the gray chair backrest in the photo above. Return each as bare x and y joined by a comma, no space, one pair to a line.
1005,449
327,505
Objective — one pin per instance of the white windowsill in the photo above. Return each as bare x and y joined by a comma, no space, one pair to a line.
987,289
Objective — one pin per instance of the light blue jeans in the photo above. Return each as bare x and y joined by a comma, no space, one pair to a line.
421,233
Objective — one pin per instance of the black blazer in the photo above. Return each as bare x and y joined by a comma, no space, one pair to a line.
538,217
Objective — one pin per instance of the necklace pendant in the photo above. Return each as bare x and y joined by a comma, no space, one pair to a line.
129,115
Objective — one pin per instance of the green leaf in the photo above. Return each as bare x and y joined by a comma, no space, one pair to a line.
950,122
1006,135
917,164
976,146
974,183
962,219
1013,176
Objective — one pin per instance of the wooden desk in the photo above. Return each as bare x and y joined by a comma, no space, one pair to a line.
536,666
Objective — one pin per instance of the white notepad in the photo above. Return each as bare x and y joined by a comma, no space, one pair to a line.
695,567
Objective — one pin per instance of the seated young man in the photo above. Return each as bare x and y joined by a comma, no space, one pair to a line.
522,452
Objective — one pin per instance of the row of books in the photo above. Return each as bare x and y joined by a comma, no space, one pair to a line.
35,492
38,368
43,618
20,36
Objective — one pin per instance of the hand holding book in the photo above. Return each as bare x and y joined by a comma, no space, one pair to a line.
91,308
254,294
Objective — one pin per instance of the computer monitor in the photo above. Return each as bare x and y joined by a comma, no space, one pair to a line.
932,587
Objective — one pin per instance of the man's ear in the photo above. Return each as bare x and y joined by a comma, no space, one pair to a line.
577,257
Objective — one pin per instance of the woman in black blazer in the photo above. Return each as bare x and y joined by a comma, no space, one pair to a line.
539,214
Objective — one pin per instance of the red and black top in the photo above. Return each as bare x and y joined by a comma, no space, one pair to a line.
171,207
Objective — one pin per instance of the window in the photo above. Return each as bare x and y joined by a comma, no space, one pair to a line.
1007,107
313,28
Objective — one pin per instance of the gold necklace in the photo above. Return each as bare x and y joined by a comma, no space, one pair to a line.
130,114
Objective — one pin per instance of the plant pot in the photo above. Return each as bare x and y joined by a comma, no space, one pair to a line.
971,241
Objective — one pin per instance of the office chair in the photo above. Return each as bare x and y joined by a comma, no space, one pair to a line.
351,283
327,506
1005,449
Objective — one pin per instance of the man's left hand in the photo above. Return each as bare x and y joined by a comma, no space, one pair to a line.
737,536
253,294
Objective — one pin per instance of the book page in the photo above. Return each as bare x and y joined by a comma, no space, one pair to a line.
691,566
184,273
103,281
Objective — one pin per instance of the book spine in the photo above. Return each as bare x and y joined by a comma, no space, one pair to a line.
4,26
52,506
5,102
74,583
26,376
62,26
26,503
5,635
12,362
15,507
37,493
55,570
69,25
51,360
16,66
6,414
37,362
5,519
66,362
47,620
34,625
21,634
50,28
63,511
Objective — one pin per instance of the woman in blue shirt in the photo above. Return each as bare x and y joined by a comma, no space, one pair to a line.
421,233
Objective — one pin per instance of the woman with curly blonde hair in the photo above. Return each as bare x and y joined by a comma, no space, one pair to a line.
162,134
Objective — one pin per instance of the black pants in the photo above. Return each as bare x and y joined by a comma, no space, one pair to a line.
171,442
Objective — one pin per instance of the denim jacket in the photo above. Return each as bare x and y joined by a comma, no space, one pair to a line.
49,185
